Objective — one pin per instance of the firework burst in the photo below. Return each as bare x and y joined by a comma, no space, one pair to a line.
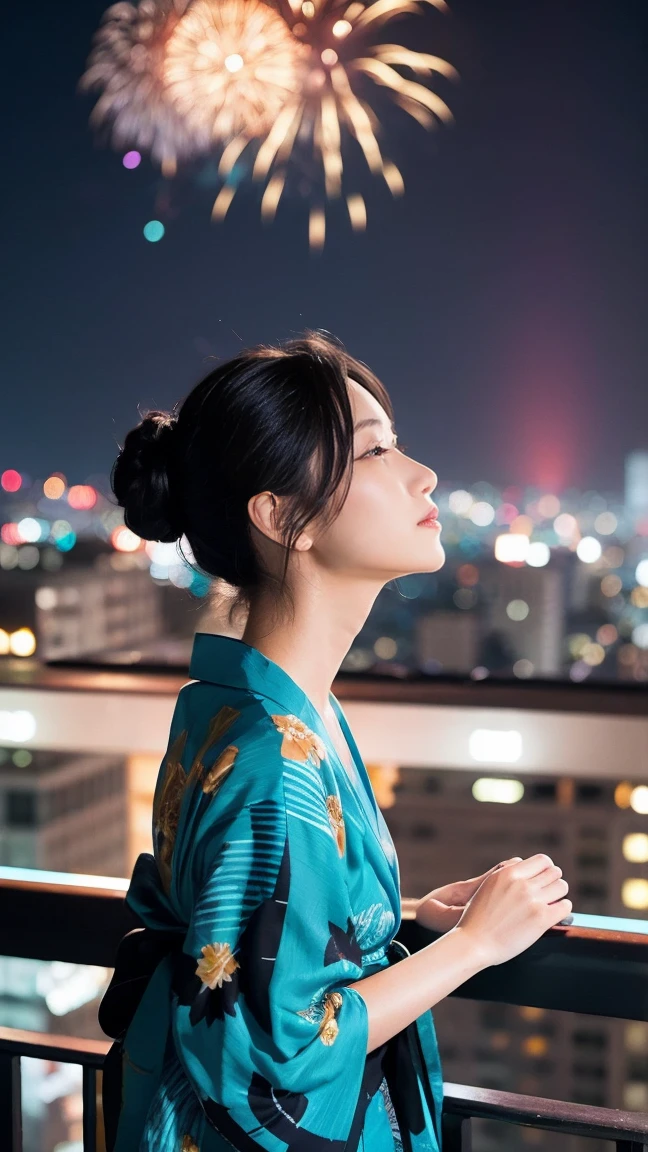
184,77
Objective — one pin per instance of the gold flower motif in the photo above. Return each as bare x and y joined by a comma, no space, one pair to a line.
218,726
299,742
336,820
189,1145
217,965
166,811
219,770
325,1012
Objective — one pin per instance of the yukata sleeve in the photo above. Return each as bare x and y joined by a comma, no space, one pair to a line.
269,1033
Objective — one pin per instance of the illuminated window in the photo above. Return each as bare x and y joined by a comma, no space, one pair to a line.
635,847
634,893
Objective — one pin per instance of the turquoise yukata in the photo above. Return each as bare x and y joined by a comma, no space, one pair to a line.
276,875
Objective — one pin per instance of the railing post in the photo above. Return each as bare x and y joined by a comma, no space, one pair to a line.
10,1103
89,1109
456,1133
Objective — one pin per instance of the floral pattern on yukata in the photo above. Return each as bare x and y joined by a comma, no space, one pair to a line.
299,742
176,781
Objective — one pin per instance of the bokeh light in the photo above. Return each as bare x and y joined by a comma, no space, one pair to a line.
460,502
593,654
511,547
29,530
22,642
132,159
565,526
611,585
640,635
548,507
11,480
385,648
606,523
635,847
492,791
54,487
123,540
639,799
641,573
539,554
589,550
517,610
153,231
607,634
622,794
634,893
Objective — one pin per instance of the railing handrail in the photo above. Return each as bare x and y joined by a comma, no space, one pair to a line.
570,968
543,1112
461,1102
46,1046
416,688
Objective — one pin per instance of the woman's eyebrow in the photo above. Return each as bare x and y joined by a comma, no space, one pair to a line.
372,420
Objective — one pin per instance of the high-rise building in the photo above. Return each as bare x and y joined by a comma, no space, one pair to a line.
526,607
66,812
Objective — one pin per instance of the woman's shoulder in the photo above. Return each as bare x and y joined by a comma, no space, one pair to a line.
239,743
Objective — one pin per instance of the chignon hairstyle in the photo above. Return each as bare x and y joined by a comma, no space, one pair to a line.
273,418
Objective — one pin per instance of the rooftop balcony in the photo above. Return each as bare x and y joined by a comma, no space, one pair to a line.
595,968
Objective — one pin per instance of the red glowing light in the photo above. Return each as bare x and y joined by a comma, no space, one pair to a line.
10,535
11,480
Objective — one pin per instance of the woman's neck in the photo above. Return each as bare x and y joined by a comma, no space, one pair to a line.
311,645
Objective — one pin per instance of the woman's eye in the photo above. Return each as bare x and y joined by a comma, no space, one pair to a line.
378,450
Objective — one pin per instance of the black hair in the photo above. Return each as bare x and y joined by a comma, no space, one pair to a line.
273,418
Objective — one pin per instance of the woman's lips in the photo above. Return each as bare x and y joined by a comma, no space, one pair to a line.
430,520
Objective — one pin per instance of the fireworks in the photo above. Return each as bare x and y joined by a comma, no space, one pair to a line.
126,65
181,78
230,67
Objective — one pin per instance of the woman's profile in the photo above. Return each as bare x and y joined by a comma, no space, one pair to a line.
266,1002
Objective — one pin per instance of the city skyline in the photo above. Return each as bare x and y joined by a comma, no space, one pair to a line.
500,299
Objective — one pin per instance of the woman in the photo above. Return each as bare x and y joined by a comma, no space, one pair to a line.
278,1010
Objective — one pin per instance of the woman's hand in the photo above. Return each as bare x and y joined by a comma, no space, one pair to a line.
443,907
514,907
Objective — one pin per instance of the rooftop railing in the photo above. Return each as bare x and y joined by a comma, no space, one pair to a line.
583,967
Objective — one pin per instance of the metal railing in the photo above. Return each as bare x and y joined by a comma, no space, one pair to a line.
575,968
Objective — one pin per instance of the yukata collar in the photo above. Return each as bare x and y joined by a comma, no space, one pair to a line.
232,663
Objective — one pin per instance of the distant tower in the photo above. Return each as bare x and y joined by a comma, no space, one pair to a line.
636,484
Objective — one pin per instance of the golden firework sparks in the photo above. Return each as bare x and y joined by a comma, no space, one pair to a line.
229,67
181,77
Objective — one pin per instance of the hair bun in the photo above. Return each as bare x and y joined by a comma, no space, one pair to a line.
143,478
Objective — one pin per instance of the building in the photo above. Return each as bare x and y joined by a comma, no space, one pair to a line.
66,812
442,833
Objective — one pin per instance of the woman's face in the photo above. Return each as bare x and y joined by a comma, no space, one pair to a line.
377,534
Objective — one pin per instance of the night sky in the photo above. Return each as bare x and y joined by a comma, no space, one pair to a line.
502,299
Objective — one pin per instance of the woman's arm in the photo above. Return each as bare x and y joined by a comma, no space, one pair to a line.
397,995
514,906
